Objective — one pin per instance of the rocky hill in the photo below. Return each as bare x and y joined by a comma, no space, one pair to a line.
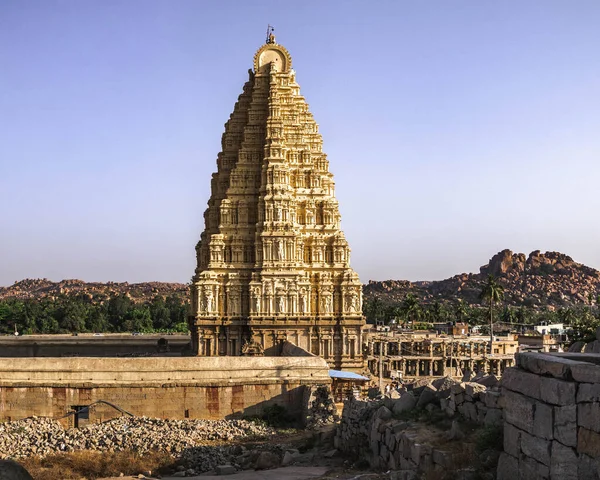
539,279
138,292
536,280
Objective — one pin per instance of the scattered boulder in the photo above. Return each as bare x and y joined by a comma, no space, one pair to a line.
11,470
405,402
266,461
428,395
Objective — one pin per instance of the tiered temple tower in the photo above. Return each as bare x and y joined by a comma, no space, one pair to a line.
273,264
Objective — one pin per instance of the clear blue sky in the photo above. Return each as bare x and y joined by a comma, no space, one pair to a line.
454,129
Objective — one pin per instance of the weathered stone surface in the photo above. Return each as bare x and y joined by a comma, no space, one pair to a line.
588,442
536,448
493,416
557,392
488,381
428,395
512,440
565,425
530,469
508,467
383,413
11,470
586,372
521,381
519,410
225,469
588,416
490,398
588,392
543,421
563,462
588,468
545,364
266,460
406,402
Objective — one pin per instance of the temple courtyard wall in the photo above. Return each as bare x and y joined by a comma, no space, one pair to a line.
551,418
177,388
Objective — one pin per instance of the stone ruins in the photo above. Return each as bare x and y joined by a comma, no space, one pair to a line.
272,262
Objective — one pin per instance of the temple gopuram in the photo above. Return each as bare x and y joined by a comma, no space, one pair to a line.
273,266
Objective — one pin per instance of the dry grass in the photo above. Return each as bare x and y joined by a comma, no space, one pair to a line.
92,464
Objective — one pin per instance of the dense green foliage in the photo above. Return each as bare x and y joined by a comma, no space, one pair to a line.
68,314
415,314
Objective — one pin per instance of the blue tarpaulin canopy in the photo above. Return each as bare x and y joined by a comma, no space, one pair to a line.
347,375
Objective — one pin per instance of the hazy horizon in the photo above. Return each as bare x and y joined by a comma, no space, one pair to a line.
453,130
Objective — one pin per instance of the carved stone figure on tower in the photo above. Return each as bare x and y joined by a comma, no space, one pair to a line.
272,256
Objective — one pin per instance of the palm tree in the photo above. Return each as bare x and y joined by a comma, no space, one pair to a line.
460,310
493,292
411,307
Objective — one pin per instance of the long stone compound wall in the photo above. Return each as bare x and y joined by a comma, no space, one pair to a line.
551,418
373,431
175,388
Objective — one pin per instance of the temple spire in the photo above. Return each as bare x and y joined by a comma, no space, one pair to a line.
273,263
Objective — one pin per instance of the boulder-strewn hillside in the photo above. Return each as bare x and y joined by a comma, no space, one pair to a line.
549,278
539,279
138,292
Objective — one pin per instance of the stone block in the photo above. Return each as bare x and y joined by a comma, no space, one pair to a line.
457,388
546,364
557,392
428,395
459,398
508,467
415,453
442,458
536,448
384,452
588,468
588,416
586,372
518,410
530,469
490,398
493,416
588,442
522,382
406,402
543,421
383,413
512,440
565,425
488,381
225,469
474,389
588,392
471,411
563,462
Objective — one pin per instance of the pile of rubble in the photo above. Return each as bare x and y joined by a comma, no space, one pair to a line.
321,407
474,402
43,436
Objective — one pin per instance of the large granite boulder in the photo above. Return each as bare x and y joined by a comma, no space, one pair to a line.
11,470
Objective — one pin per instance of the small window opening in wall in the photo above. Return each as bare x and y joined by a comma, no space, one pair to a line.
187,413
82,412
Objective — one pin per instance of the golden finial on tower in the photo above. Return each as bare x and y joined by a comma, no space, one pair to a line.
270,35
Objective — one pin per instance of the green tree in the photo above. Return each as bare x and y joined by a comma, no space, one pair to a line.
411,308
460,310
492,292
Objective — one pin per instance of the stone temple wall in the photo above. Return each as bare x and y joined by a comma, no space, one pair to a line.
187,387
551,418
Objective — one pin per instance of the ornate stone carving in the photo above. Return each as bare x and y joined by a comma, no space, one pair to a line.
272,256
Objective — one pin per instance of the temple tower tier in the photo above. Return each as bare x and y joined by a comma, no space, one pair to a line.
272,262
